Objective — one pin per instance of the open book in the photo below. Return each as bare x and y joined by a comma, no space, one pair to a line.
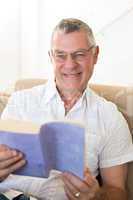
53,145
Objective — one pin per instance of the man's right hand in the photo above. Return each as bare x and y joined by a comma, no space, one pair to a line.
10,161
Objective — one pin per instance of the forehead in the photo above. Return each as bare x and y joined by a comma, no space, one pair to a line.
70,41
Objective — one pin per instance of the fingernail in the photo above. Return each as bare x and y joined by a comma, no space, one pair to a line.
65,173
14,153
24,161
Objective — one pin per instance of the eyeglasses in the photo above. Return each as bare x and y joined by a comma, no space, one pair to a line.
77,56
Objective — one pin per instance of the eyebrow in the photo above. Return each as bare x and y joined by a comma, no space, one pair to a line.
77,50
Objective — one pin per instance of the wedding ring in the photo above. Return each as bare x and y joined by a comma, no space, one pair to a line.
77,194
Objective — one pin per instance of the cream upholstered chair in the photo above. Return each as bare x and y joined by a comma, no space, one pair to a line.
120,95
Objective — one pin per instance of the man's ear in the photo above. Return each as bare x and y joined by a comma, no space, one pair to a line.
96,54
50,56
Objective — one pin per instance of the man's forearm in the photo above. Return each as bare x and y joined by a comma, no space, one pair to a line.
111,193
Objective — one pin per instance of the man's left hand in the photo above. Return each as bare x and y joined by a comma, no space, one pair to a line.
77,188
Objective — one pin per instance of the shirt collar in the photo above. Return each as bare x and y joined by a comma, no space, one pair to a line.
51,91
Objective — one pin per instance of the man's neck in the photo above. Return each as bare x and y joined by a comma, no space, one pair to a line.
69,97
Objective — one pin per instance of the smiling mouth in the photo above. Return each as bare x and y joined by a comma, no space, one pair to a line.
72,75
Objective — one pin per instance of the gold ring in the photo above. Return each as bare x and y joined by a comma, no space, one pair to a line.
77,194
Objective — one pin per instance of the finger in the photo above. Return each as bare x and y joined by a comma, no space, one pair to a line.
88,178
72,188
74,184
71,178
91,181
71,192
4,147
5,172
93,186
17,165
10,161
87,175
87,171
7,154
68,193
78,183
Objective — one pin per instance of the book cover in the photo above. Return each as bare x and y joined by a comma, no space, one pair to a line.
54,145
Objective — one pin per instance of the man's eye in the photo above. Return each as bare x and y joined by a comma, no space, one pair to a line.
60,56
79,55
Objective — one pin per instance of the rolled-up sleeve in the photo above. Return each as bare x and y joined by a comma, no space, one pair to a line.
118,147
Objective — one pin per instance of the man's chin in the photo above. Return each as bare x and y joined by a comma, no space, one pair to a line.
71,87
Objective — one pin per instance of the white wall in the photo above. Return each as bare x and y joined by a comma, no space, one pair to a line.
9,42
115,65
26,26
30,38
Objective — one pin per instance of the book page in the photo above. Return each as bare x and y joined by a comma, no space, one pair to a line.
63,146
24,136
57,145
19,126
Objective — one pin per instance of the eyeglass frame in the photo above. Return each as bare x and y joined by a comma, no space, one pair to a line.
73,54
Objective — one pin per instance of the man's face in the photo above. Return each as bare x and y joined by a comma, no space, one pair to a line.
73,60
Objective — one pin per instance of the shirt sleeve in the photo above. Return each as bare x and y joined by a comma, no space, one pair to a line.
14,107
118,148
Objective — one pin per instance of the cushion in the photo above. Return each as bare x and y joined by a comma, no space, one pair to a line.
3,101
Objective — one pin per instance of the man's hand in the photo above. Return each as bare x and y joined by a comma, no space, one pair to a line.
89,189
10,160
76,188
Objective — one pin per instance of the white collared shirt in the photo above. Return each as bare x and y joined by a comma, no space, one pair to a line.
109,140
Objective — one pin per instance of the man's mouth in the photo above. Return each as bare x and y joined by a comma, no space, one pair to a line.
72,75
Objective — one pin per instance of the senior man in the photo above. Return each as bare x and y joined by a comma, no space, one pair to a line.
74,54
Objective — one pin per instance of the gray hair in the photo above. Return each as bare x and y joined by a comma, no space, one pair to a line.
70,25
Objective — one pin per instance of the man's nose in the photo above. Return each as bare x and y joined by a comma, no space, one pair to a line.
70,62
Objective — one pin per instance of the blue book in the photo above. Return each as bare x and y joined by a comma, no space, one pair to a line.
53,145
